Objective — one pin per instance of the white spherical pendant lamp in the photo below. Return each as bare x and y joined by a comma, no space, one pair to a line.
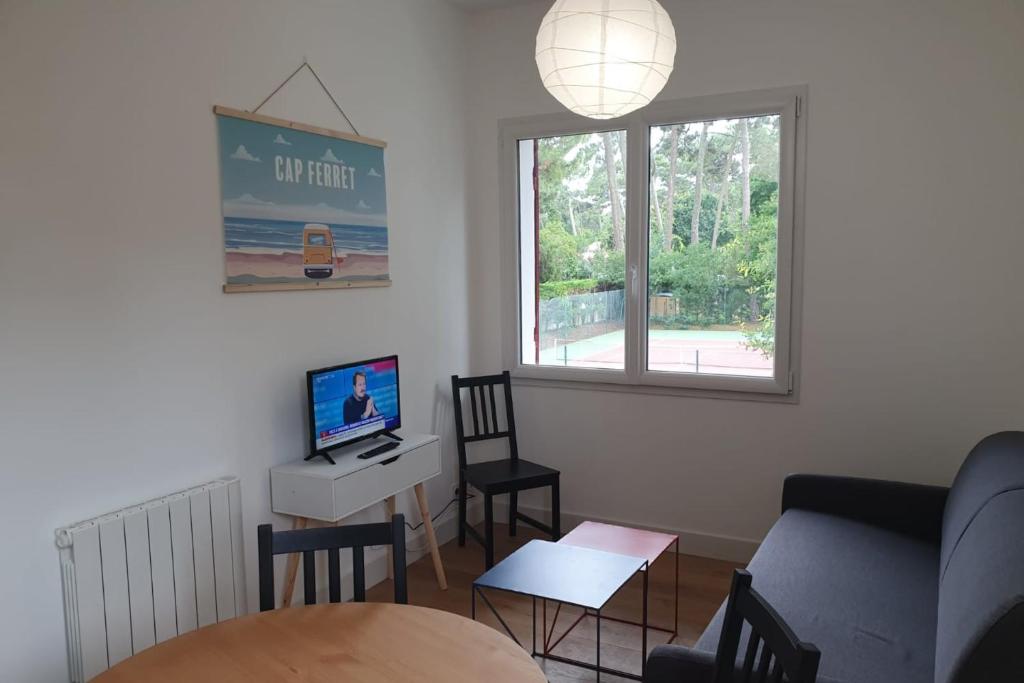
605,58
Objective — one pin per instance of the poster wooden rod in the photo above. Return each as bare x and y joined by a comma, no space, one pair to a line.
261,118
288,286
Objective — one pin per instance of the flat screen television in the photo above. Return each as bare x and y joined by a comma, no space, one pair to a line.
351,402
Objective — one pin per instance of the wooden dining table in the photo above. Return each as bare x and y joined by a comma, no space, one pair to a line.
335,643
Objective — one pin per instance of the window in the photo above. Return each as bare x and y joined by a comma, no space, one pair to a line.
712,244
657,249
573,250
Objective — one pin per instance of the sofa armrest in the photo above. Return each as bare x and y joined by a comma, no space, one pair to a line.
912,509
678,664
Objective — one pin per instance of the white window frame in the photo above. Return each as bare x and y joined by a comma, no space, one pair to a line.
790,103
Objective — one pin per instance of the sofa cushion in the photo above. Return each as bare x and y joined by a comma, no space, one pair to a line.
866,597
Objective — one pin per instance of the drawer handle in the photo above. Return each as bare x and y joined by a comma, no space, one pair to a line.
390,460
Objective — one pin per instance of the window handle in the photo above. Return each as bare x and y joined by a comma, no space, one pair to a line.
633,276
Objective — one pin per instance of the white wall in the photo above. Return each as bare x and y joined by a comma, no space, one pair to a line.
125,373
912,316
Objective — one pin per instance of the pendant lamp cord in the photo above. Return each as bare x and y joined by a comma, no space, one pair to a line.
306,65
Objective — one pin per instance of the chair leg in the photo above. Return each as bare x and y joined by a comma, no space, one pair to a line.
488,531
462,511
556,513
513,508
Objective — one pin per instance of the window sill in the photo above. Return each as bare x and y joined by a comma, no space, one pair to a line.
617,382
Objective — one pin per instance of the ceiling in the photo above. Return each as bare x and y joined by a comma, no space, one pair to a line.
488,4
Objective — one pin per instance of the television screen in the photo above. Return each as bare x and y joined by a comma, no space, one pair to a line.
353,401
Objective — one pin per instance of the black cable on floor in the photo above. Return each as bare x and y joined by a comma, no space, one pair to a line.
443,510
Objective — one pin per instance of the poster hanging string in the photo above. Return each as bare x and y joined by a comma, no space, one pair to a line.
307,65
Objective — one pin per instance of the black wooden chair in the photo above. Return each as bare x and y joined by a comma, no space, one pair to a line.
510,475
331,539
772,647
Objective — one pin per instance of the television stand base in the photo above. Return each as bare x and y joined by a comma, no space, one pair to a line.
324,454
391,435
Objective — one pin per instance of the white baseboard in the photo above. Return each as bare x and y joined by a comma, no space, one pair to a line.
690,542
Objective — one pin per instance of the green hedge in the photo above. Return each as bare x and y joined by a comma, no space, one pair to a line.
559,288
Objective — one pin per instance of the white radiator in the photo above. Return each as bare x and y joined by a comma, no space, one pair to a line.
141,575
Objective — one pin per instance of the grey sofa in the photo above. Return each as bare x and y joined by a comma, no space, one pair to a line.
895,583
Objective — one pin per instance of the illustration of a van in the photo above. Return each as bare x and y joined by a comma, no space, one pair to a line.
317,250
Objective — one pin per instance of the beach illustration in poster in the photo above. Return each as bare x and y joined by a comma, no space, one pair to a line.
300,209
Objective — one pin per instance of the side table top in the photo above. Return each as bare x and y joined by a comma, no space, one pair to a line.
620,539
347,457
562,572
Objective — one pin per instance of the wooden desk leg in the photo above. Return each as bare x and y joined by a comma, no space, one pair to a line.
428,526
292,567
390,504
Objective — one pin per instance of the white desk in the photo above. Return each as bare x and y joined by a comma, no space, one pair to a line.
318,490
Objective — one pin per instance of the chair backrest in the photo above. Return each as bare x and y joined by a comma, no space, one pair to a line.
331,539
484,411
772,650
980,625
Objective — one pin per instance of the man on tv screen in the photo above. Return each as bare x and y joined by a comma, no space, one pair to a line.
359,406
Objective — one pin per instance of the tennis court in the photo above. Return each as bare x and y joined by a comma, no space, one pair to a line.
713,352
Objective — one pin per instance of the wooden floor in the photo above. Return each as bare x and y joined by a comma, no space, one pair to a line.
703,585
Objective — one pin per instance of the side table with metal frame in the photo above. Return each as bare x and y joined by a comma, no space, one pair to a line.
564,573
622,540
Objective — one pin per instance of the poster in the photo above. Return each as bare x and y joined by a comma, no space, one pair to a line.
303,207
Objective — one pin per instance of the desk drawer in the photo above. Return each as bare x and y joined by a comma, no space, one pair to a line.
357,490
410,468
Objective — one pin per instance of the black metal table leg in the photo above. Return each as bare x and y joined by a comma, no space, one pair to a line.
643,638
497,615
675,624
598,670
533,650
544,623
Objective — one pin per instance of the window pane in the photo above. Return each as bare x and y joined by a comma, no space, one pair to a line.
572,194
714,201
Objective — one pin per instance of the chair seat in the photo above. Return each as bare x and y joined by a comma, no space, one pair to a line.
503,476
